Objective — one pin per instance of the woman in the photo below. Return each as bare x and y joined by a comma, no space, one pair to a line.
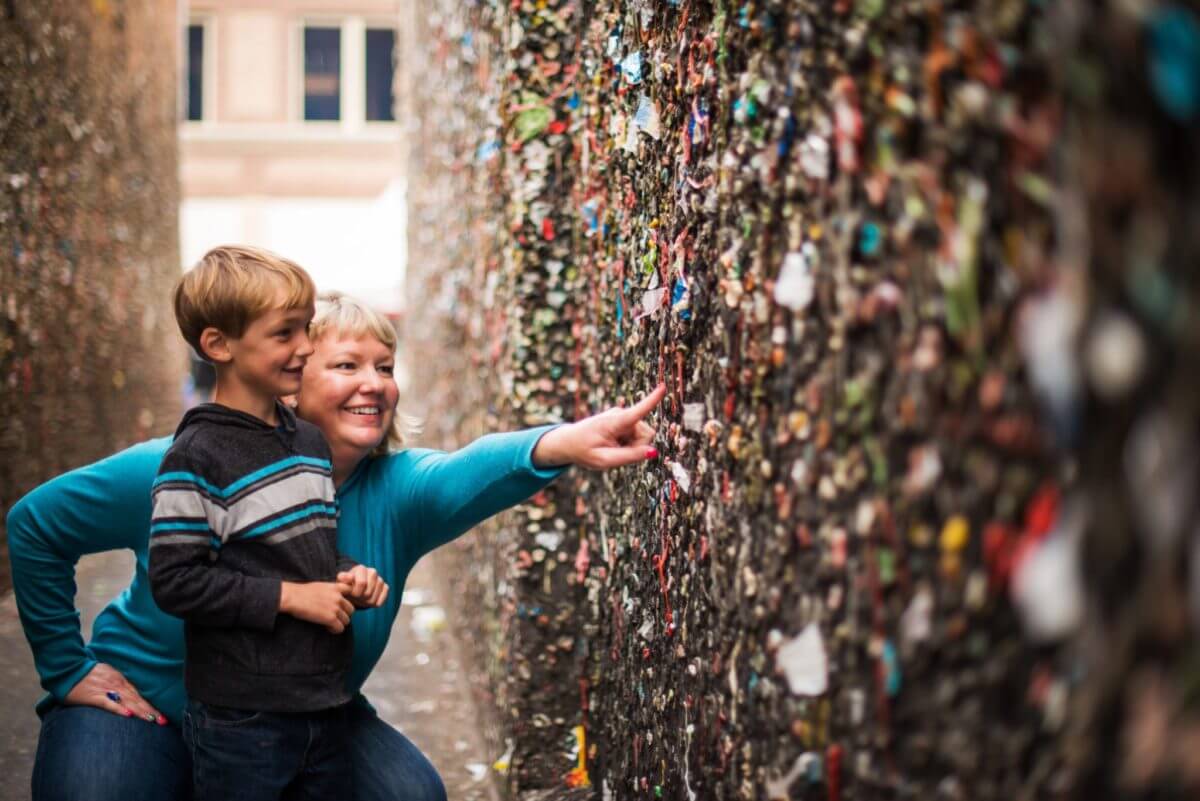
110,721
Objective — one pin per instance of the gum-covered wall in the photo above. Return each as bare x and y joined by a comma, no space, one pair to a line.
918,278
90,360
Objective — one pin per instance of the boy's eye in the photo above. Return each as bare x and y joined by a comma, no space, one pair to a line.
283,333
386,369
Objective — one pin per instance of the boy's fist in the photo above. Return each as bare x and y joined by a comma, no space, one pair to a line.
320,602
364,586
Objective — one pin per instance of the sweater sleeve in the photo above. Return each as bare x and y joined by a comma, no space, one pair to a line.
449,493
104,506
185,579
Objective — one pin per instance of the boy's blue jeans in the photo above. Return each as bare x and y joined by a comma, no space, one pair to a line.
267,756
87,754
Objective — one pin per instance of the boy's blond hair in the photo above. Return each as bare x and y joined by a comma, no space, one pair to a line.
231,285
342,315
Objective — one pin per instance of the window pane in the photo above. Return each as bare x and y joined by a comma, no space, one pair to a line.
195,72
322,73
380,44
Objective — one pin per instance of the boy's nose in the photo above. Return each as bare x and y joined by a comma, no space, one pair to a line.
306,348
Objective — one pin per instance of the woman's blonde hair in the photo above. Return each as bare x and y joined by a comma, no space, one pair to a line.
345,316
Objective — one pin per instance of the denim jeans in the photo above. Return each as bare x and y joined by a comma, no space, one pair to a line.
267,756
87,754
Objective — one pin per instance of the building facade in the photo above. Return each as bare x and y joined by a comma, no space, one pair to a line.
289,139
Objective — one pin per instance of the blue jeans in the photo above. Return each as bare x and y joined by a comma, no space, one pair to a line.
266,756
87,754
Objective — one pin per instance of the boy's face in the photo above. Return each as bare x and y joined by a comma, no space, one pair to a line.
269,356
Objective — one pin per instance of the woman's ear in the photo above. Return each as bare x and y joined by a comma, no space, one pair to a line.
215,346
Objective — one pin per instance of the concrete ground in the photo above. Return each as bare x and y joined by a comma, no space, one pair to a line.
419,685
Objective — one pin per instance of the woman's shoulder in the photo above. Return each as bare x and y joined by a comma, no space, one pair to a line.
394,467
399,461
114,475
148,452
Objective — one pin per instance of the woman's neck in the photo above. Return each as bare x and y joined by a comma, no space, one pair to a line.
344,462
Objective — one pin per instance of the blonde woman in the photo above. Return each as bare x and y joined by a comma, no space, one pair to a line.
110,720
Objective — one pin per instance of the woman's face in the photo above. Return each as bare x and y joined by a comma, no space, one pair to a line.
349,391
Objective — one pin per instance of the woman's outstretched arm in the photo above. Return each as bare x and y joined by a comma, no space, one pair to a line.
448,493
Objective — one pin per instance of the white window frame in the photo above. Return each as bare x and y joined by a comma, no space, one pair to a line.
296,71
352,78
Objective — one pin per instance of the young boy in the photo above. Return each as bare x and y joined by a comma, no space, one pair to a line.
243,544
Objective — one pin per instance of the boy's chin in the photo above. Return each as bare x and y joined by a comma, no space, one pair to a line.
286,386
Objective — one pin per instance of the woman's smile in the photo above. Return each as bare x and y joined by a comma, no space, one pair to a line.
369,415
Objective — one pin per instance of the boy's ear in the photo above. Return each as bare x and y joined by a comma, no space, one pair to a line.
215,346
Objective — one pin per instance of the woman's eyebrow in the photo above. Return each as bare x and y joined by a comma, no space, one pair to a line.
357,354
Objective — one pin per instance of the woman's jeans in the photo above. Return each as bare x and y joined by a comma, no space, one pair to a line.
87,754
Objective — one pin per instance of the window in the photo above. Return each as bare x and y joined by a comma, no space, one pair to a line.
195,72
381,43
322,73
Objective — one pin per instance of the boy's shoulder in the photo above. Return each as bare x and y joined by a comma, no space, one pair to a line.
191,441
190,457
200,436
210,444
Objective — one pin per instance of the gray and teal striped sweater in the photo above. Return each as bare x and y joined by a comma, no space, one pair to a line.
239,506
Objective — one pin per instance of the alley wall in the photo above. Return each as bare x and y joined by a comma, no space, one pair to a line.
89,357
918,278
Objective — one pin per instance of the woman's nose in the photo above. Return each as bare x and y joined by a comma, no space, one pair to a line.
372,382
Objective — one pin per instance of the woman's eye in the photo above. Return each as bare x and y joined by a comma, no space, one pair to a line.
344,365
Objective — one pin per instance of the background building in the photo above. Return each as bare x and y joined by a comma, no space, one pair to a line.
289,140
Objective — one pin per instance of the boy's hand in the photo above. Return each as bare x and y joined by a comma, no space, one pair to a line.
367,589
320,602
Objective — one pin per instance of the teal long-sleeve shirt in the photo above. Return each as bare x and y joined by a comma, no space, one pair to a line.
394,509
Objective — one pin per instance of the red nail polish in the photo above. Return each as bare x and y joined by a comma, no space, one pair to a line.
162,720
128,713
651,453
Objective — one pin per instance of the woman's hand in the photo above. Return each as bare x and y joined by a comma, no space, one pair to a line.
320,602
105,688
612,438
367,589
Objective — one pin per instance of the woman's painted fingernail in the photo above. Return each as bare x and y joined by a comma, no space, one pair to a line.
651,453
128,713
162,720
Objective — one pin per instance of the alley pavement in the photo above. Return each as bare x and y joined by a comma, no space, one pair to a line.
419,685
